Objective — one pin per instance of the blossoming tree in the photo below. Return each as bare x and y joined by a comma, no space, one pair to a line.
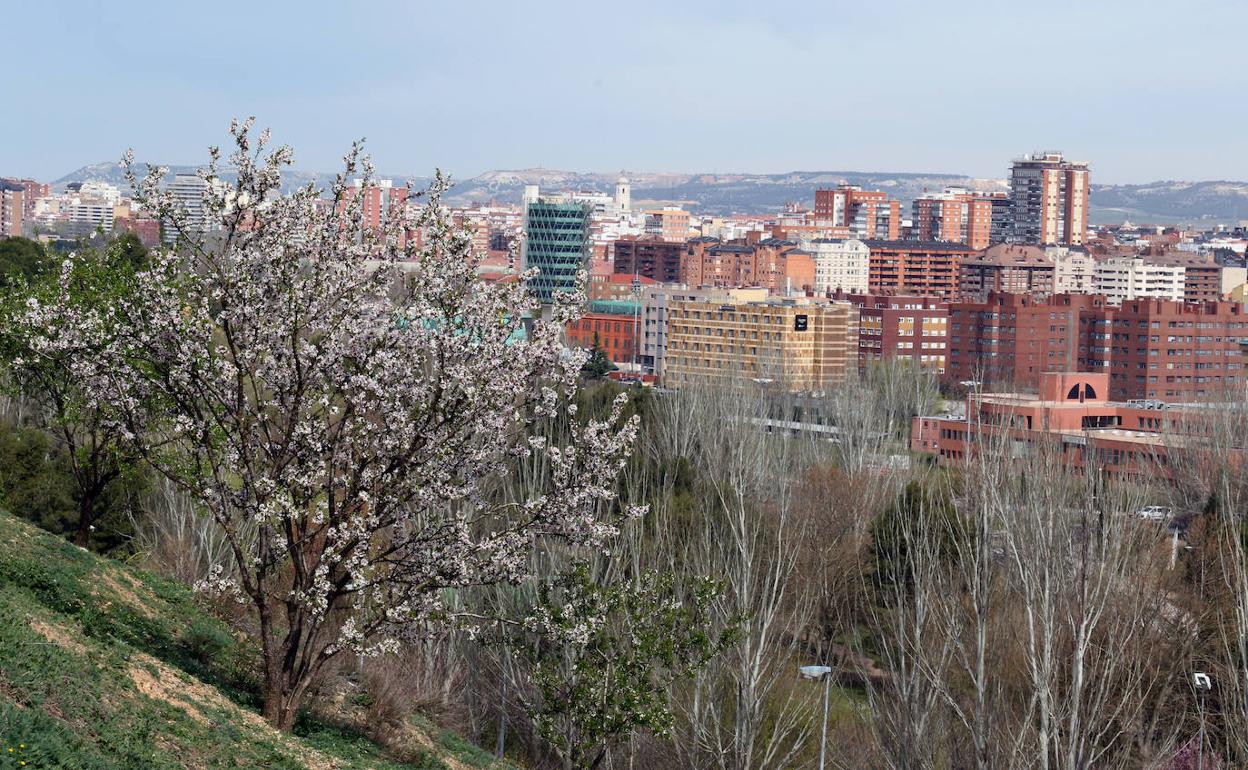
342,397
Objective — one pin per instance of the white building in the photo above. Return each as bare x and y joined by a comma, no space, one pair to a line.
188,191
839,264
103,191
1074,272
1124,278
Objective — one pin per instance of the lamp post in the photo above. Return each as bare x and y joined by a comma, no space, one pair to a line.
824,673
1202,683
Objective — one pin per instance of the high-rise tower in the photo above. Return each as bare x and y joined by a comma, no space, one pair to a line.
1049,200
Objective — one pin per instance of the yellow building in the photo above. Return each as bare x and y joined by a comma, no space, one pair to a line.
800,344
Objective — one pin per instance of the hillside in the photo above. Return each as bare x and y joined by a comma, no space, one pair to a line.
106,667
1155,202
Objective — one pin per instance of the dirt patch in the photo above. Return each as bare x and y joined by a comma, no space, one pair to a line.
58,635
126,592
193,696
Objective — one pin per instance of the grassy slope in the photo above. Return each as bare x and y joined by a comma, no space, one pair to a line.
104,666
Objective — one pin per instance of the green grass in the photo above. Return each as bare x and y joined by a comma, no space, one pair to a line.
79,634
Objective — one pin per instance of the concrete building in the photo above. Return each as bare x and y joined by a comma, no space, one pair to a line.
1049,200
556,242
668,223
798,345
12,209
188,193
922,268
840,265
900,327
1124,278
1074,272
867,214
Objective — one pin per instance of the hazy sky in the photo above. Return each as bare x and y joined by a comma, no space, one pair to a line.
1143,90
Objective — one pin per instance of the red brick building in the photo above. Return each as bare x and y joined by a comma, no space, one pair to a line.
1149,349
772,264
614,332
1013,338
866,213
1071,414
903,327
955,216
1159,349
922,268
1007,267
649,257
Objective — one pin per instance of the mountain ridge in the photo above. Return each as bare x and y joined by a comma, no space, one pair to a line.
719,193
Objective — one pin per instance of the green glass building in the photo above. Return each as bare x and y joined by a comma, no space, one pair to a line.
556,243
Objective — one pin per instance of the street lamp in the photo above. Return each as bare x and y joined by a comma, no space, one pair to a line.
1203,684
824,673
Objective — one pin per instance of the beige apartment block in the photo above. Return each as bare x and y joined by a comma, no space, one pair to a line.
798,344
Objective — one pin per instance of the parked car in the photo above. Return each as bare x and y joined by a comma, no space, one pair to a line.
1155,513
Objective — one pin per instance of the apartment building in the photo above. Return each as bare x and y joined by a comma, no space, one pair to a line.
1149,348
840,265
1049,200
1007,267
796,344
923,268
1124,278
955,216
649,256
906,328
669,223
867,214
12,209
778,266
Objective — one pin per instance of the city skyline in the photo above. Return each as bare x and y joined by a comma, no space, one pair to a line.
891,87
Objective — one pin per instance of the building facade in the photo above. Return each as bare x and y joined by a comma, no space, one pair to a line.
1071,414
12,209
1149,348
650,257
899,327
1125,278
923,268
778,266
840,265
798,345
955,216
867,214
1049,200
1007,267
556,244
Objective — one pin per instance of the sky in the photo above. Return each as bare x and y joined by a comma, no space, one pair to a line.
1142,90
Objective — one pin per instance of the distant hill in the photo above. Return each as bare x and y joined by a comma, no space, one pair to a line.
1170,201
711,193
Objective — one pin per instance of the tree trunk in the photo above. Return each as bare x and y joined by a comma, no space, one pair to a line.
281,707
86,517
